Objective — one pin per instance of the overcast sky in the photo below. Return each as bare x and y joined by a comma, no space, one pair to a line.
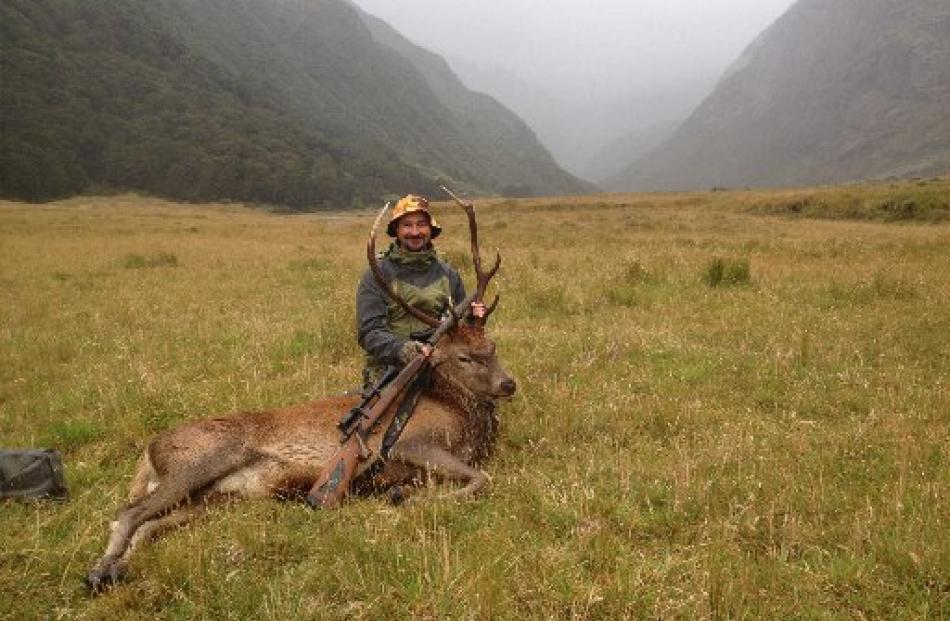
596,56
591,43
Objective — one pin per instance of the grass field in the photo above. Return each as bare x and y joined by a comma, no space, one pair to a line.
732,405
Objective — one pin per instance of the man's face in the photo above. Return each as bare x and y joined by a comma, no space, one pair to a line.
414,231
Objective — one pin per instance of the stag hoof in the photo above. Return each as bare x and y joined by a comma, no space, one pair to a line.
397,495
105,576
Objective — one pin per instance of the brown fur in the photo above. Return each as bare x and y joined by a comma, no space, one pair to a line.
280,453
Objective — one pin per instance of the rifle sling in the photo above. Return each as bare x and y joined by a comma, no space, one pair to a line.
404,412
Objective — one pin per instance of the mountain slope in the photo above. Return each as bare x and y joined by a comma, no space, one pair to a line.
615,156
290,102
488,126
835,90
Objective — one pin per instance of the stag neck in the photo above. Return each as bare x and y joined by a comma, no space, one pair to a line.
481,416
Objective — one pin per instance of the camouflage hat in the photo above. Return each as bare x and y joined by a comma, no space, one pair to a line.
409,204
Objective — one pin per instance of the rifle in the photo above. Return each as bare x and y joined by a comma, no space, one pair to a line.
334,480
349,422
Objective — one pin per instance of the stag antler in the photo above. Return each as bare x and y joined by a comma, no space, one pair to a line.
481,277
429,320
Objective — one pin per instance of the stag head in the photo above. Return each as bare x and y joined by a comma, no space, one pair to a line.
466,359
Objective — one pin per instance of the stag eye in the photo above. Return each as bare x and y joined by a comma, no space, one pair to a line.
465,359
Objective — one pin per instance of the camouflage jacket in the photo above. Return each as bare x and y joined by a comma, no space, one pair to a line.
422,280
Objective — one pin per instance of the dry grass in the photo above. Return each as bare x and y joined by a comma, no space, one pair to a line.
776,448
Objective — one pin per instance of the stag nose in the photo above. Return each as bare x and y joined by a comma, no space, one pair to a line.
508,387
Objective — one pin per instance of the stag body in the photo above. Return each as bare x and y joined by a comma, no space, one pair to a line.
281,453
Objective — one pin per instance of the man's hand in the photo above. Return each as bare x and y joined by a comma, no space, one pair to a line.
479,310
410,349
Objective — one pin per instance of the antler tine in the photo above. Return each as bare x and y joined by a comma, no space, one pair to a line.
425,318
491,309
481,283
472,227
491,272
481,277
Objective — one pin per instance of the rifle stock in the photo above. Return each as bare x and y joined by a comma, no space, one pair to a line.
331,487
334,481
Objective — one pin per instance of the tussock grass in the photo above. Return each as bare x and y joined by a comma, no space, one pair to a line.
675,451
727,272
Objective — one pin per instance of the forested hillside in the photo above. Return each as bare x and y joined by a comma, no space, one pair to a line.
834,91
487,126
288,102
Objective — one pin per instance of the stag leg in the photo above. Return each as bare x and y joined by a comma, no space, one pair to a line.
153,528
169,494
399,494
115,571
438,462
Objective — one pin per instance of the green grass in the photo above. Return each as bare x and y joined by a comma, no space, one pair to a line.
776,450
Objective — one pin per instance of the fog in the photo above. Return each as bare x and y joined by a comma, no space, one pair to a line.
584,74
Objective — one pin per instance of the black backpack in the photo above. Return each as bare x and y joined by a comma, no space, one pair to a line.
32,473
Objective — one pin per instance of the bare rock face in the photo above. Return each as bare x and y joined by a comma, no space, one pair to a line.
833,91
